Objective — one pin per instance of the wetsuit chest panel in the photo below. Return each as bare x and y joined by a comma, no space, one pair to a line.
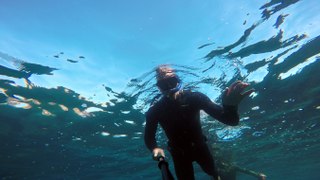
180,120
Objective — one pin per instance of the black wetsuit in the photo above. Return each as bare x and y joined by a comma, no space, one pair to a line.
180,120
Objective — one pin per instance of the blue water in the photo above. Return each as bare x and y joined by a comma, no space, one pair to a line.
67,129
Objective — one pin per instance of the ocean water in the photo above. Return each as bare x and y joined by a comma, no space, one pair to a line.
63,116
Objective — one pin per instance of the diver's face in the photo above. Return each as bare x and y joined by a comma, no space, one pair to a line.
167,83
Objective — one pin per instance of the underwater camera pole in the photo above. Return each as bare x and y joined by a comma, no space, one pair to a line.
164,167
260,176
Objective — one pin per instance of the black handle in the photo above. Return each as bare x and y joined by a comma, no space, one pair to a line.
164,167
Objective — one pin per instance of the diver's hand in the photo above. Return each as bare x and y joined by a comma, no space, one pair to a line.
157,153
234,94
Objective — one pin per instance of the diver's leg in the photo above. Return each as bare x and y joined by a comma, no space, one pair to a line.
183,166
206,162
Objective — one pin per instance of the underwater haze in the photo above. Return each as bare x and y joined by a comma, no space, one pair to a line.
77,76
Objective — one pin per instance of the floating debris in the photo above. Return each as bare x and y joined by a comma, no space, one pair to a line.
255,108
81,113
46,113
245,22
105,133
119,135
76,139
280,20
244,118
258,133
52,103
63,107
124,112
313,125
93,109
18,104
72,61
129,122
117,124
205,45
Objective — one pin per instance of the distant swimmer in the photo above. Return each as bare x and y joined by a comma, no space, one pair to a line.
178,113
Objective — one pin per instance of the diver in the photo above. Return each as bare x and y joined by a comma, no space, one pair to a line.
178,113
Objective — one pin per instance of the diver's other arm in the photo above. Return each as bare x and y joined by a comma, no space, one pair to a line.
150,132
228,112
150,137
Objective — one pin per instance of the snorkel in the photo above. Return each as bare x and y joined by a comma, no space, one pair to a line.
172,91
